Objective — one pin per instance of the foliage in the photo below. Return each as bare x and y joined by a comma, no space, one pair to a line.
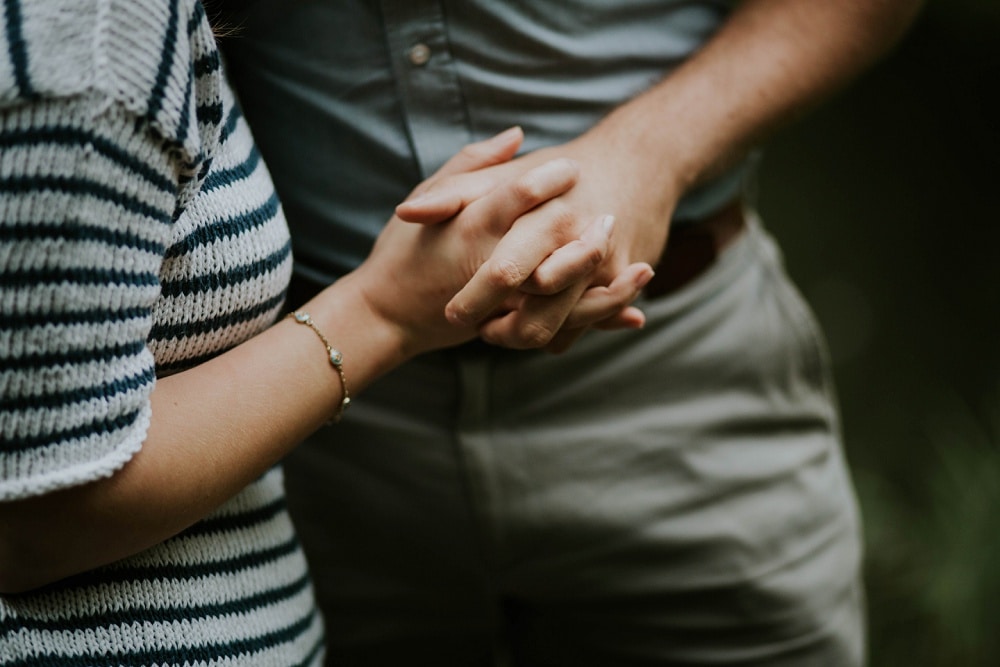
934,546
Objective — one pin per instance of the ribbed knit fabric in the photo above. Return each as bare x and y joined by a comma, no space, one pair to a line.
139,235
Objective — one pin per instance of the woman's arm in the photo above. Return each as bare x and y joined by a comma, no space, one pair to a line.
218,426
214,429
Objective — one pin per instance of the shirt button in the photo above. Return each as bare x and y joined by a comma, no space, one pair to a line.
420,54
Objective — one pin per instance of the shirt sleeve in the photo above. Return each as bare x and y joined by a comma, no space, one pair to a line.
87,197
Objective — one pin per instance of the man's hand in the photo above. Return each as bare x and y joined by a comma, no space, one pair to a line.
477,252
554,302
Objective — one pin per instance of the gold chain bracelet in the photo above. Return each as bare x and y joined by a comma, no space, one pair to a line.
333,354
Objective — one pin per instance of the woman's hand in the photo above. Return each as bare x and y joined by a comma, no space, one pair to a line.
557,301
425,279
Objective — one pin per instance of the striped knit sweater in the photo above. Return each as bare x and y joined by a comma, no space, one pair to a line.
139,235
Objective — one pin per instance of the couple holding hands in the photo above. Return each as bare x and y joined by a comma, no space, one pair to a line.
670,490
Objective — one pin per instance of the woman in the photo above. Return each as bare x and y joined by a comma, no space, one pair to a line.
145,398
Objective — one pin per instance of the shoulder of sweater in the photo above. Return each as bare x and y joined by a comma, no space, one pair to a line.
156,59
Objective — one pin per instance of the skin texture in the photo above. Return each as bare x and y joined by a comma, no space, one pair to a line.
218,426
770,62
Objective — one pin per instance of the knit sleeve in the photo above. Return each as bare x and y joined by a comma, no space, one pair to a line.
87,194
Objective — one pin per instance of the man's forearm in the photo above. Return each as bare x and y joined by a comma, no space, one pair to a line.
772,60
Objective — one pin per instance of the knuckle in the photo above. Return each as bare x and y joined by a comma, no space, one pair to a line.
594,256
468,231
562,219
529,189
609,298
534,333
504,273
544,282
458,313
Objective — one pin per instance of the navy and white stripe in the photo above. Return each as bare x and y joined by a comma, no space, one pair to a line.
16,52
139,235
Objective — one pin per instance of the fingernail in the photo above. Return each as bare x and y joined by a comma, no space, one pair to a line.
423,199
414,201
457,316
643,278
506,134
607,224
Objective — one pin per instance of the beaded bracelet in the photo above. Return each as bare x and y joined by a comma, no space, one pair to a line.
333,354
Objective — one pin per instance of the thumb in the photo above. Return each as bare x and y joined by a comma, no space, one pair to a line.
446,193
495,150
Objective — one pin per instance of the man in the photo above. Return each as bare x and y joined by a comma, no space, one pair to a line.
672,496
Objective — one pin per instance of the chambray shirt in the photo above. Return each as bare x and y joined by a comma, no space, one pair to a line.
353,102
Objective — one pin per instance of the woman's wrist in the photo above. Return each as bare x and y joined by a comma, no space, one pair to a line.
371,344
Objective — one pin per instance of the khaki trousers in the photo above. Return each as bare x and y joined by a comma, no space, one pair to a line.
673,496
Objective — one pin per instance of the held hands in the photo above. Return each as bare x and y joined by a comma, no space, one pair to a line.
529,279
612,178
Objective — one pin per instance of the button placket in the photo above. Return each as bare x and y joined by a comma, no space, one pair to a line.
432,104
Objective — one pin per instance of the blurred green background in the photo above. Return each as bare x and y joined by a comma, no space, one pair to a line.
887,206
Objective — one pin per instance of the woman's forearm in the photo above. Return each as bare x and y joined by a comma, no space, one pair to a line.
215,428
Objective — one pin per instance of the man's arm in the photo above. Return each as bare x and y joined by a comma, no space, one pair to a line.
771,61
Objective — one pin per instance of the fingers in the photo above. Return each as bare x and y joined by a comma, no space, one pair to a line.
450,190
523,249
497,202
572,262
615,296
444,199
534,322
629,317
499,211
556,322
498,148
598,304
